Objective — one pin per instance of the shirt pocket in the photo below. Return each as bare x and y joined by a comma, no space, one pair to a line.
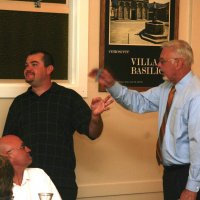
176,122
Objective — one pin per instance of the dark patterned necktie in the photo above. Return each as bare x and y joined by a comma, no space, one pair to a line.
163,125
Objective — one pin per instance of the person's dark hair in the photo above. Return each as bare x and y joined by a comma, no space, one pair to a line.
48,58
6,178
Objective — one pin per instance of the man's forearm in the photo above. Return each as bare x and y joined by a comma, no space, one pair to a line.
96,126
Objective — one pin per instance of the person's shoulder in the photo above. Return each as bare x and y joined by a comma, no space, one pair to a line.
63,90
196,79
192,90
22,96
36,174
163,86
35,171
194,84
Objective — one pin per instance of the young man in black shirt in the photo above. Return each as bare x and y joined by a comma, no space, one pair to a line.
46,117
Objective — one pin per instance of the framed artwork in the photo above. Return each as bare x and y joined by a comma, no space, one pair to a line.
47,1
40,33
53,27
131,34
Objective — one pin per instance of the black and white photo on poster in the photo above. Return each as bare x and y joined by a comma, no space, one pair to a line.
132,32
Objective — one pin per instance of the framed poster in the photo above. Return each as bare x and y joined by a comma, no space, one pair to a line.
131,34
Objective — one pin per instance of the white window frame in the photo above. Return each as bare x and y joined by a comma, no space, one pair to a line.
78,45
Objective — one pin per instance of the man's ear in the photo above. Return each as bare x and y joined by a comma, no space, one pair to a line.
50,69
180,63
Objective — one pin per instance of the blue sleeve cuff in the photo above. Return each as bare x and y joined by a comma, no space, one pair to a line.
193,186
115,89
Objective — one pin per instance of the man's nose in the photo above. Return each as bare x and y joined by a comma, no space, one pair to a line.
158,64
27,149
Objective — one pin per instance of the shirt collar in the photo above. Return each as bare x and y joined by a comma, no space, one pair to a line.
51,88
184,81
26,177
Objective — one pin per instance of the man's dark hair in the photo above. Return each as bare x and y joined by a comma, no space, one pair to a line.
48,58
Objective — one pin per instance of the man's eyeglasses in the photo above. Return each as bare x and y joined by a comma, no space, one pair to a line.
22,147
163,61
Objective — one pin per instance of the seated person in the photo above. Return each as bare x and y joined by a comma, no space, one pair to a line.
28,182
6,178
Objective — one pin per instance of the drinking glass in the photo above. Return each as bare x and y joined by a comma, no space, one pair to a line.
45,196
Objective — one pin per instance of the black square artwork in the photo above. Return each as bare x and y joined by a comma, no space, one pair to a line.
22,32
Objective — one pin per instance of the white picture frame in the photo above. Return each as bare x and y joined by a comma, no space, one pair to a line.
78,46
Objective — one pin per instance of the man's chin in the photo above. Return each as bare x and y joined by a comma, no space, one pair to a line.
28,81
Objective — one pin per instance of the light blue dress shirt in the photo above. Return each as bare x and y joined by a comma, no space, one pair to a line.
181,144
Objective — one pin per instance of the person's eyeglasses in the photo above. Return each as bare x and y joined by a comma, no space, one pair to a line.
163,61
22,147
